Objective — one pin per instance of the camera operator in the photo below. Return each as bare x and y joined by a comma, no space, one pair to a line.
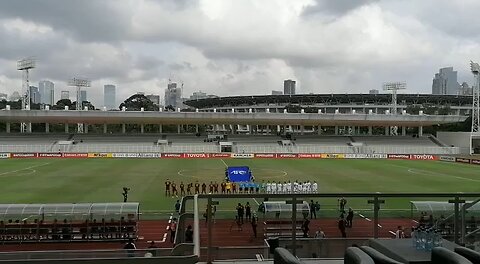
125,194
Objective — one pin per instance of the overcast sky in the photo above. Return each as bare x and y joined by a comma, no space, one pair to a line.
238,47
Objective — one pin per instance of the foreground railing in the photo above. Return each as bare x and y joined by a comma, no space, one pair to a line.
369,208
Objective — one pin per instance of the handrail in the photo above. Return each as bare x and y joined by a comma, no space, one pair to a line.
196,228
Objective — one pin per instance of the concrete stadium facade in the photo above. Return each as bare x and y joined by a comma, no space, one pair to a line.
267,114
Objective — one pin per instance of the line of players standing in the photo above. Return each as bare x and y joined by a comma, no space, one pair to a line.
172,189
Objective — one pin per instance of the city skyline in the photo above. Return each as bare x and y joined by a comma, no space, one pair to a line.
237,47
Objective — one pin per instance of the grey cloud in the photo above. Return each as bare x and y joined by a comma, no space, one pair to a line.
103,20
334,7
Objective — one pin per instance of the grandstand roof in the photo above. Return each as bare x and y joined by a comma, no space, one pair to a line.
329,99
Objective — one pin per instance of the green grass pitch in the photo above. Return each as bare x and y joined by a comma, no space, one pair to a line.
101,180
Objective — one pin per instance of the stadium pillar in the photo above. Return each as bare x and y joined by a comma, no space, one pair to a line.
47,127
278,129
370,130
249,129
196,128
319,130
66,128
336,130
124,128
420,131
178,129
104,128
404,131
142,128
386,130
160,129
302,129
85,128
7,127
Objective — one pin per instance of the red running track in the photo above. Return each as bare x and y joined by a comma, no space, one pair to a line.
225,233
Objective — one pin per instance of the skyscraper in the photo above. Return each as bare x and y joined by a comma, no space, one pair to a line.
288,87
34,95
445,82
47,92
65,95
109,96
83,96
173,96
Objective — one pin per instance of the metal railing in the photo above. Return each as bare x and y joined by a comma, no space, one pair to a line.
376,200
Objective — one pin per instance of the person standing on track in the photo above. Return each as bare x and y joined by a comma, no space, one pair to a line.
254,225
189,188
173,230
240,211
341,226
215,187
349,222
313,212
204,188
248,212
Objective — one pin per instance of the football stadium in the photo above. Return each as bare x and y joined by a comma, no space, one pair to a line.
250,179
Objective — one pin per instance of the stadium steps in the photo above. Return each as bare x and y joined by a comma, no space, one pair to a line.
436,141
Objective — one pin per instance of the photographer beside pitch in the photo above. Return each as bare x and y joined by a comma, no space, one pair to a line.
125,194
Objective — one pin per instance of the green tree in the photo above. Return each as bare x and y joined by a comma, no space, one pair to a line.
137,101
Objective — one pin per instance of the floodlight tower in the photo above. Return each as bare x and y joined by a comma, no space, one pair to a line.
475,69
79,83
25,65
394,87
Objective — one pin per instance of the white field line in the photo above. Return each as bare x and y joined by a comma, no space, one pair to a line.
366,218
27,168
224,163
163,239
391,232
432,173
256,201
166,228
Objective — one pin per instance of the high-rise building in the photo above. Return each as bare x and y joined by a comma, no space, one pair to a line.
445,82
3,97
277,92
198,95
83,96
65,95
47,92
155,98
109,96
173,96
34,95
373,91
15,96
288,87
